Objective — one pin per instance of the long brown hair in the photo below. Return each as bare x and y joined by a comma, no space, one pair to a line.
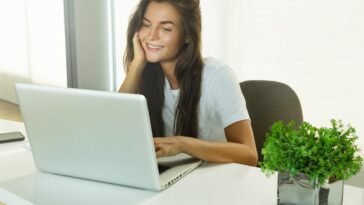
188,70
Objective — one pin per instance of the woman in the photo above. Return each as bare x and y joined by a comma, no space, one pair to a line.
195,105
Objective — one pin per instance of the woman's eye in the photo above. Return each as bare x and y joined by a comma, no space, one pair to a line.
146,25
166,29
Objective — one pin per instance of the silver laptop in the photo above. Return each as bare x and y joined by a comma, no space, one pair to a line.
96,135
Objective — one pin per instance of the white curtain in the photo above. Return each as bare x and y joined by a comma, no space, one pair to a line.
32,44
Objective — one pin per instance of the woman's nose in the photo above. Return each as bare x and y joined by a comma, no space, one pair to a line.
153,34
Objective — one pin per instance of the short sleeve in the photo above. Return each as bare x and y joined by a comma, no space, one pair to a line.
227,98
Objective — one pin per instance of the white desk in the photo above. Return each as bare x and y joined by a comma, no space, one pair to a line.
209,184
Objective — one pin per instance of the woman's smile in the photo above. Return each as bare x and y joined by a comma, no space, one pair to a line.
154,47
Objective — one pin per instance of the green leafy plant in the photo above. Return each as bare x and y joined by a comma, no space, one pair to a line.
319,153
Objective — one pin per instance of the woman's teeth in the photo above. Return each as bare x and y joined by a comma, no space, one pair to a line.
154,46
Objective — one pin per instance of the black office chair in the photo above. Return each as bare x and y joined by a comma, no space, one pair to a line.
268,102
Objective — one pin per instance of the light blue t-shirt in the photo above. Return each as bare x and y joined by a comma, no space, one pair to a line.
221,104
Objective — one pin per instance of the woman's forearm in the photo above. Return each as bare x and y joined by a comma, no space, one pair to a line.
220,152
131,82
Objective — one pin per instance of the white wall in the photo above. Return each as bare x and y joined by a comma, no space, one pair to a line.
316,47
122,11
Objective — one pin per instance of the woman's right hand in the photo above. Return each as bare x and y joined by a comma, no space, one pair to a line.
135,69
139,54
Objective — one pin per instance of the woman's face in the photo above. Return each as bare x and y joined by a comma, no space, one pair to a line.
162,35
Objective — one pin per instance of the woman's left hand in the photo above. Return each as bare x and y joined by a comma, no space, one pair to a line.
167,146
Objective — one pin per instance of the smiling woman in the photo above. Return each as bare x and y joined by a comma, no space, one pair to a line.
195,104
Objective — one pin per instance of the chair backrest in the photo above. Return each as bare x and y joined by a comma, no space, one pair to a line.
268,102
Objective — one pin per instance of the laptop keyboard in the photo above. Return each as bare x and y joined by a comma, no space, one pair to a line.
162,168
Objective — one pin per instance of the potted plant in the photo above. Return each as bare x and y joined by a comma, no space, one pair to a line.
310,160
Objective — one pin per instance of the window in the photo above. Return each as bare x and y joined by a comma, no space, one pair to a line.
32,44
